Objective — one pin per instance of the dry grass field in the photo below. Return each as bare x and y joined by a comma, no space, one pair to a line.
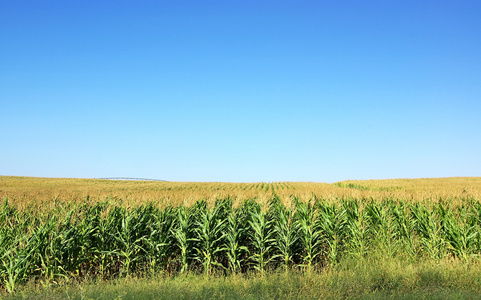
34,191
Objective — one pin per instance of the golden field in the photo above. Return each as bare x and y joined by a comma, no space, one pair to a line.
36,191
365,237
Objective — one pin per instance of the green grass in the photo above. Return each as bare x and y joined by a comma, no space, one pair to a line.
367,279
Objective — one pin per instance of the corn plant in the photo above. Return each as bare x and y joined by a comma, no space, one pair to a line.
105,250
16,263
332,225
109,239
430,232
381,228
159,240
286,231
236,230
403,228
461,235
128,241
47,250
261,238
309,233
356,237
183,232
209,233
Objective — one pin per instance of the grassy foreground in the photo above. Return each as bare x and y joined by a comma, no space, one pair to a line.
368,279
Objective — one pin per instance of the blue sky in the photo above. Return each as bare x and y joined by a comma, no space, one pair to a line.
240,91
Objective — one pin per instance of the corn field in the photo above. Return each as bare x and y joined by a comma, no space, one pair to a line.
108,240
30,191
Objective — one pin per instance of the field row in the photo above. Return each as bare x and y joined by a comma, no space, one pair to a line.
108,240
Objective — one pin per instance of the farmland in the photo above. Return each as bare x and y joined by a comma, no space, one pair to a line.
24,191
418,233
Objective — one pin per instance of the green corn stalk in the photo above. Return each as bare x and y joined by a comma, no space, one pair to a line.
75,239
111,240
332,224
309,233
158,243
404,229
209,235
236,238
104,244
356,244
380,229
474,219
48,254
129,239
286,231
261,239
461,234
182,236
429,231
16,264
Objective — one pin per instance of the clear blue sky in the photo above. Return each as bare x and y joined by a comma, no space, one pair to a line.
240,91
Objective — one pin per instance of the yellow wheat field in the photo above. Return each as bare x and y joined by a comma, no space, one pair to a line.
23,191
